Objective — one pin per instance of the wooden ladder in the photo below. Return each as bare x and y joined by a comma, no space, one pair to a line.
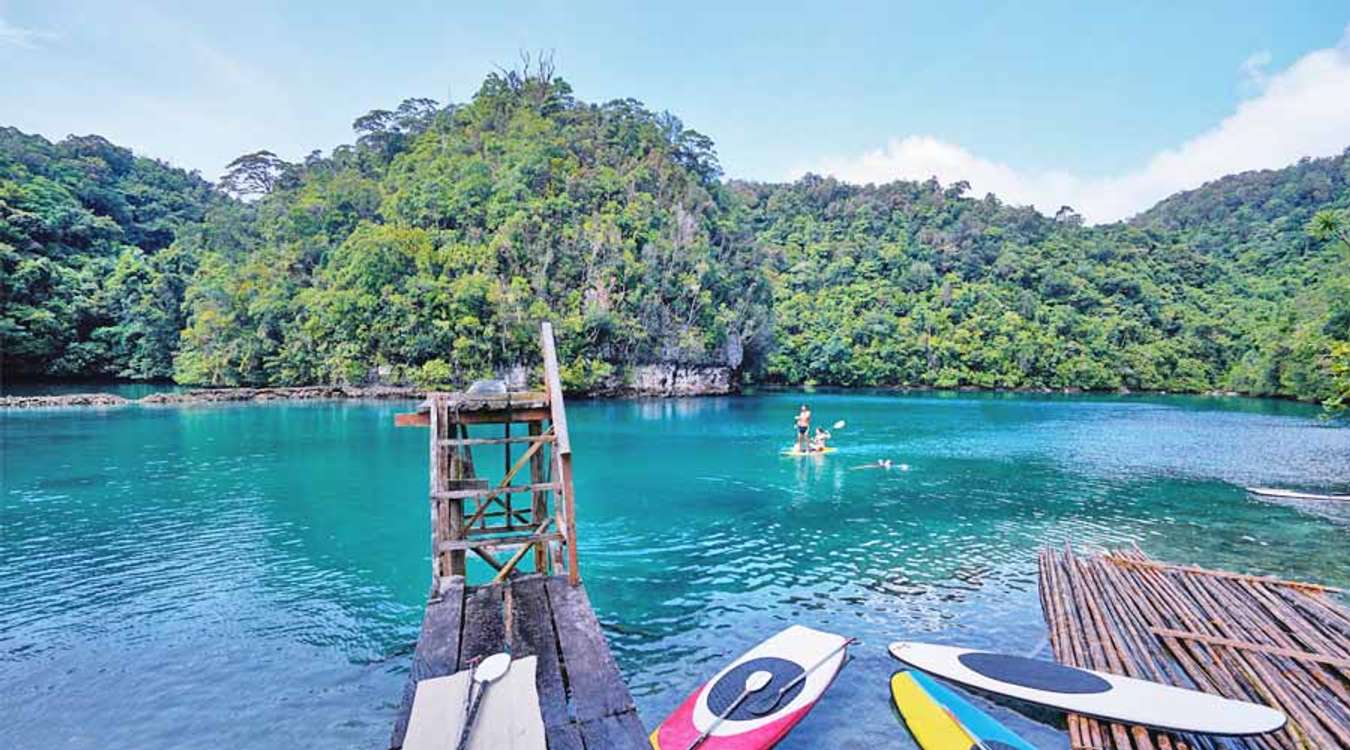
470,514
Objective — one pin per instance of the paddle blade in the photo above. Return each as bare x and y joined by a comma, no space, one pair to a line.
492,668
757,680
839,425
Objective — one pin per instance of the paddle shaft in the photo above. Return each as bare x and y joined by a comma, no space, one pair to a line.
734,704
784,690
473,713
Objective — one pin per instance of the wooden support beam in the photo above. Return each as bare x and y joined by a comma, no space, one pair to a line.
1334,661
413,419
1121,560
468,544
497,416
488,557
515,559
498,441
552,381
539,501
490,492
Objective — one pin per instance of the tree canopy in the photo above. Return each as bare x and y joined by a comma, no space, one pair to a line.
429,248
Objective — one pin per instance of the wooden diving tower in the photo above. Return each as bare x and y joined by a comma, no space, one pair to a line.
533,604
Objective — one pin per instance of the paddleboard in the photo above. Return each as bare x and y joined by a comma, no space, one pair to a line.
796,453
932,727
788,655
1272,492
940,719
1098,694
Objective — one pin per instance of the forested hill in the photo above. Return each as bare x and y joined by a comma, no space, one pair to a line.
91,282
428,250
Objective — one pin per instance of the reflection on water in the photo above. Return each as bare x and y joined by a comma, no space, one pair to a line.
165,572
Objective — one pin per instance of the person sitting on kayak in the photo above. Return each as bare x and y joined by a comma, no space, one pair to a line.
818,442
803,427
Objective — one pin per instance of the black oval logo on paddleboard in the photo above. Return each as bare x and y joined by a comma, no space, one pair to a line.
1033,673
760,703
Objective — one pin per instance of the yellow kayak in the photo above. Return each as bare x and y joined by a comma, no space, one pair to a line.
798,453
932,726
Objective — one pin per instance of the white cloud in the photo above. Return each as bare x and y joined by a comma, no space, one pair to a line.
1303,110
17,36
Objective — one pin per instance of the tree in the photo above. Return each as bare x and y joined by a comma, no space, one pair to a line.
255,174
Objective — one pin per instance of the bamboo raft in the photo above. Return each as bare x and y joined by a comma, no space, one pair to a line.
1281,643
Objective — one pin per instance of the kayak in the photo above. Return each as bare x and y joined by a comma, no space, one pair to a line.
802,663
1293,495
940,719
799,454
1091,693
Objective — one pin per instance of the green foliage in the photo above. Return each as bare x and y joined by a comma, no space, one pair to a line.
447,234
430,249
91,281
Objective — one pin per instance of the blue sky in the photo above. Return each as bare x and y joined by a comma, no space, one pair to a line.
1043,103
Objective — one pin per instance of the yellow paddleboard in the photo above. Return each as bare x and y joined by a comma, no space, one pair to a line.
932,726
795,452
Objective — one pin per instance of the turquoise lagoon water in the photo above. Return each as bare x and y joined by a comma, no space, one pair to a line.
252,576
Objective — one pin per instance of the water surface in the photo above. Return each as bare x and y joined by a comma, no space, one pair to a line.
252,576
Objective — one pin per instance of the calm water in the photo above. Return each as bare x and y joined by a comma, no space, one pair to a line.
252,576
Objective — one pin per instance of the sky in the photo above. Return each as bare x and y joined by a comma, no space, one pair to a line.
1105,109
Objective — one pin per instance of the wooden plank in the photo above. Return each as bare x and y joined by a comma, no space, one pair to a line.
620,731
497,416
1257,647
471,483
499,441
413,419
570,530
466,401
486,492
563,737
437,652
539,500
596,685
484,624
456,545
532,634
553,383
1315,587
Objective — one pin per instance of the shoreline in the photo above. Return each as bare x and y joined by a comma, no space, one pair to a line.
269,394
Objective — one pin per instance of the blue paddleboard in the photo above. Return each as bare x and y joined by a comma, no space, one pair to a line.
982,725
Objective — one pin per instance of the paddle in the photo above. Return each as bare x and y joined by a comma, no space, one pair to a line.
840,425
487,672
754,682
761,710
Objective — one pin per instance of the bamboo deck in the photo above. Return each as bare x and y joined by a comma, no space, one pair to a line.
582,697
1281,643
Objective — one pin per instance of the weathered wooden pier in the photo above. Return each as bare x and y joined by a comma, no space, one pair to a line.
533,604
1281,643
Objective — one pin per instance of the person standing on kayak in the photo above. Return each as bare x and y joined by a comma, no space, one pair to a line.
803,428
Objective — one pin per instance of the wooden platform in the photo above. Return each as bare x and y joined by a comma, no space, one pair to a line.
1281,643
582,697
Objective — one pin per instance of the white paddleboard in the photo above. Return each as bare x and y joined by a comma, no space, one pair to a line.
1098,694
1272,492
